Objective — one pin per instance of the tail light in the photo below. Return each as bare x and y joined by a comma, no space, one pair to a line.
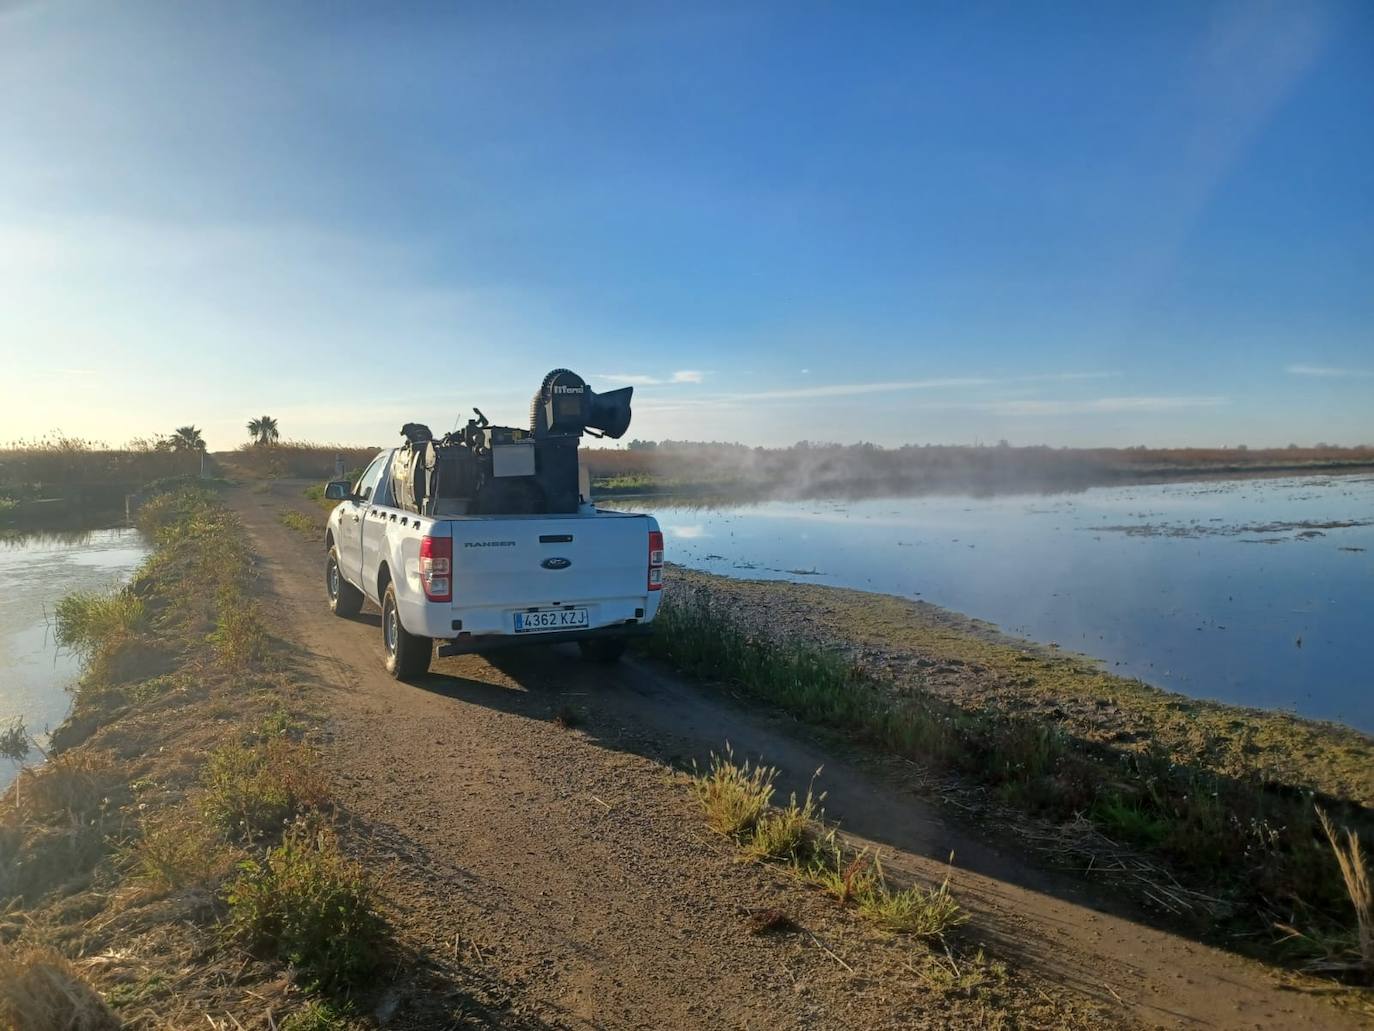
655,560
436,567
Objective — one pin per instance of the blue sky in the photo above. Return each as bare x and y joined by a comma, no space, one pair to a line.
1072,224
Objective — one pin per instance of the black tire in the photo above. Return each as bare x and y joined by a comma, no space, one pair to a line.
603,649
344,599
407,654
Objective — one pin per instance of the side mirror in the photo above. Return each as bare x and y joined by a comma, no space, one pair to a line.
338,490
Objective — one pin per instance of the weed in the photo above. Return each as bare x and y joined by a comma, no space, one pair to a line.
733,795
176,852
317,1015
301,523
129,993
239,639
914,910
40,991
946,975
88,620
567,717
279,724
1245,850
785,833
252,791
1126,821
307,904
14,741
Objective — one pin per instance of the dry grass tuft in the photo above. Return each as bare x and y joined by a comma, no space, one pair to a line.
42,991
75,787
1355,872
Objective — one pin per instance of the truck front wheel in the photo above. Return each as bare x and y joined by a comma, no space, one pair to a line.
603,649
344,599
407,654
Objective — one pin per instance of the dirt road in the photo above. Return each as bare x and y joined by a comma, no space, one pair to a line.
567,870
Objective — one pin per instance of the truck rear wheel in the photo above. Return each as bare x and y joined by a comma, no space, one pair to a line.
344,599
407,654
603,649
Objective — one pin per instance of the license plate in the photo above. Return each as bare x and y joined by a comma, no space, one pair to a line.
550,619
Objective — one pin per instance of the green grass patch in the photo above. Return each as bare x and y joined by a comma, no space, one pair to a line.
303,524
253,791
309,905
87,620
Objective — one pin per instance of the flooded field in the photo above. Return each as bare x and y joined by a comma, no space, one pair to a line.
37,569
1255,591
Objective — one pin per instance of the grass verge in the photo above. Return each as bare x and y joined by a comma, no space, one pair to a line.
181,816
1240,858
736,800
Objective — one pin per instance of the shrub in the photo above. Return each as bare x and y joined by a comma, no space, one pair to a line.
307,904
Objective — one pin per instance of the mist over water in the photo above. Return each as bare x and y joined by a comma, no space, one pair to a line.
1255,592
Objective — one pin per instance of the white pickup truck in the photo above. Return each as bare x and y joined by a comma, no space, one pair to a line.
475,582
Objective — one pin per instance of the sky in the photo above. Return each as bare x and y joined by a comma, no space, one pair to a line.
1074,224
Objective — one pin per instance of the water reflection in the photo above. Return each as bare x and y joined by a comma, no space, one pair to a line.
1255,591
37,568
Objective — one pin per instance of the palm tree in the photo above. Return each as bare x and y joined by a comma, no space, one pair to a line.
187,438
263,430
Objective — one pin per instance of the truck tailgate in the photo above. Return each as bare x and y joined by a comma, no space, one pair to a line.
530,561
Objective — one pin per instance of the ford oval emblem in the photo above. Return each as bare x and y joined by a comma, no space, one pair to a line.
556,563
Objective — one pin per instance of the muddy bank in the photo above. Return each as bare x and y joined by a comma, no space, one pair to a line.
915,647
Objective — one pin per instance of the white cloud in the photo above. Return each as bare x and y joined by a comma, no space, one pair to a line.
1328,371
855,389
638,379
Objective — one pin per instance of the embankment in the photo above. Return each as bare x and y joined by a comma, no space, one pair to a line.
1206,813
175,859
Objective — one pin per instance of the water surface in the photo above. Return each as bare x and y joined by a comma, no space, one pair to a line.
1240,590
37,569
